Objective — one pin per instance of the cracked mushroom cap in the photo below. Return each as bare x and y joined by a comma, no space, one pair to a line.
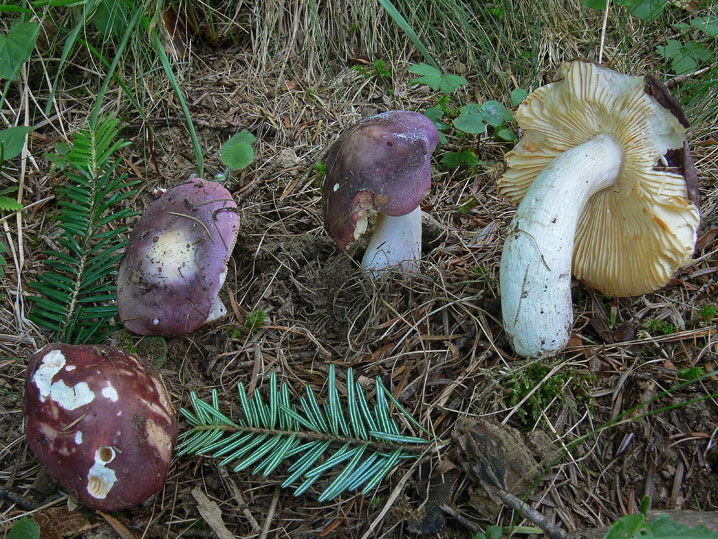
632,236
176,260
383,164
101,422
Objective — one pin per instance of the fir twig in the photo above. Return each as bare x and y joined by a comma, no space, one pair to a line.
366,442
78,294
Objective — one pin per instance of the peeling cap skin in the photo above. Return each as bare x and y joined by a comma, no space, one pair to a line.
176,260
382,164
101,422
607,190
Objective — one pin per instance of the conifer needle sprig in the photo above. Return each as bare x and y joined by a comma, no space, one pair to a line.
363,442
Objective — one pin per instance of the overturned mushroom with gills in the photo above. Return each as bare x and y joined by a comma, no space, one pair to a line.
101,422
381,164
607,191
176,260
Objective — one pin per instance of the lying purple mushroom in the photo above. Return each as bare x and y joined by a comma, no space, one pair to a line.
101,422
382,164
176,260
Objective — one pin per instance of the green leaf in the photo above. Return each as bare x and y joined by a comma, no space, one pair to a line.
493,113
450,83
13,140
646,10
435,114
237,152
16,48
517,96
25,528
456,159
671,49
471,119
430,75
594,4
111,17
697,51
9,204
506,134
662,527
707,24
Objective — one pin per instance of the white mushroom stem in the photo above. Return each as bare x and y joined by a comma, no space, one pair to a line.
536,261
395,244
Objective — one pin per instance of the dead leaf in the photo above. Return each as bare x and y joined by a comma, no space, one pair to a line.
211,513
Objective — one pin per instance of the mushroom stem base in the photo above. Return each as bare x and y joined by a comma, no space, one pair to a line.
395,244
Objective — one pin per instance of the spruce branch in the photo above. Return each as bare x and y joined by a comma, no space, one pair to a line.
77,296
365,442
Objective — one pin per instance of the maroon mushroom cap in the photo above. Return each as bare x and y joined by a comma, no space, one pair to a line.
176,260
382,164
101,422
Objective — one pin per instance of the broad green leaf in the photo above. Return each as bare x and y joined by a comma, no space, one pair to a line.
683,63
435,114
16,48
708,24
13,140
506,134
450,83
471,119
25,528
517,96
9,204
646,10
237,152
494,113
111,17
594,4
430,75
662,527
456,159
671,49
697,51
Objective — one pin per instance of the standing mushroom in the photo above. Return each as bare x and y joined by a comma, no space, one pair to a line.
101,422
176,260
382,164
607,187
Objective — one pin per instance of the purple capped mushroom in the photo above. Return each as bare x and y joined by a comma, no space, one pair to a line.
381,164
176,260
101,422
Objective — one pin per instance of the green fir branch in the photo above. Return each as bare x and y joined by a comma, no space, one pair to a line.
77,297
366,442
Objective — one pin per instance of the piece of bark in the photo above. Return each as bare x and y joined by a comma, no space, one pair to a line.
211,513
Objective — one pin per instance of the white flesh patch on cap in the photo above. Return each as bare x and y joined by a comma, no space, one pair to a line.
70,368
110,392
100,478
51,364
159,439
174,252
361,225
71,398
78,437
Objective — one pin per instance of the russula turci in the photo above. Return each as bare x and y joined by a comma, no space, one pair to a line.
176,260
382,164
101,422
606,186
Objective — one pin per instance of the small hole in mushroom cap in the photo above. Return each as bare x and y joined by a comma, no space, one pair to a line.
105,454
389,143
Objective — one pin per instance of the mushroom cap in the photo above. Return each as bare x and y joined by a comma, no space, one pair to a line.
632,236
101,422
176,260
383,164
